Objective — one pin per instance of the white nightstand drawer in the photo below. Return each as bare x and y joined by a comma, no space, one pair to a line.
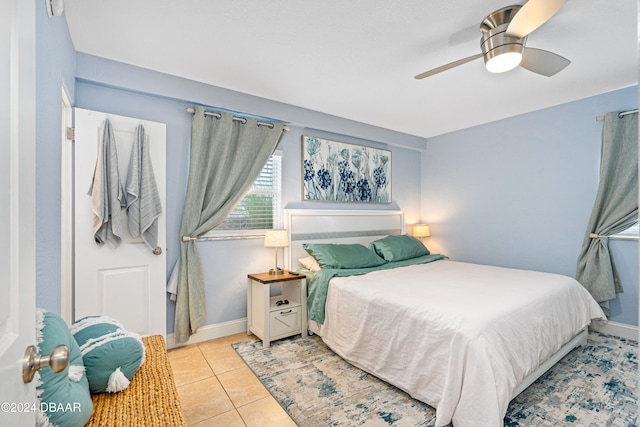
284,321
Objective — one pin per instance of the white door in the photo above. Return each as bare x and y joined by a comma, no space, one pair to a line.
127,282
17,209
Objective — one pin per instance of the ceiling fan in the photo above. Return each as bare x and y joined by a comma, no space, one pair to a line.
504,33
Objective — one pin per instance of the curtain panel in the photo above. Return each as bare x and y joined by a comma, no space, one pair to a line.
226,157
615,208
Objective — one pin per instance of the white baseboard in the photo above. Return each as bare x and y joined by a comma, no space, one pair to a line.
210,332
621,330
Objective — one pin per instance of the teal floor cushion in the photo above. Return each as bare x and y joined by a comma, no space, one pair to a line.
111,354
64,398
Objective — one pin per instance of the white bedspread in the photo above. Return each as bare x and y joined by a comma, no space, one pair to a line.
457,336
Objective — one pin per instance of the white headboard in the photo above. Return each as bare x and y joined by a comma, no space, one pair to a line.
337,226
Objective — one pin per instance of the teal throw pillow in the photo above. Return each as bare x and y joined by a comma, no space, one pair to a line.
64,398
333,255
398,247
112,355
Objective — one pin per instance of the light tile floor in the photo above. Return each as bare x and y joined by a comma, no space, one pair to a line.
216,388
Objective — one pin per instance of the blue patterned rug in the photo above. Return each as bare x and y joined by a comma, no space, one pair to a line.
593,386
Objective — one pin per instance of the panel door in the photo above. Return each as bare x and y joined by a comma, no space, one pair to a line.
17,209
127,282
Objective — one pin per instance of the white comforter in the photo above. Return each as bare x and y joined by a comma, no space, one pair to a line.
457,336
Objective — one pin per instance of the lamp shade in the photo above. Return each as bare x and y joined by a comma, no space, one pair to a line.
421,230
276,239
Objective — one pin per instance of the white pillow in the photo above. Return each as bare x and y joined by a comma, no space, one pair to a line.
310,263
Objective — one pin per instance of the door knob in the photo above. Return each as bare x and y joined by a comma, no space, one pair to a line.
57,361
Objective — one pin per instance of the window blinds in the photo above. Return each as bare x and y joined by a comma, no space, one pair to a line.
261,207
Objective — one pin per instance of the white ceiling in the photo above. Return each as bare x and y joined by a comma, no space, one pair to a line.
356,59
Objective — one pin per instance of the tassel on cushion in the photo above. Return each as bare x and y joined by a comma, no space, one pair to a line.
75,373
117,382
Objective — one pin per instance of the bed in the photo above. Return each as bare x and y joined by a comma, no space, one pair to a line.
463,338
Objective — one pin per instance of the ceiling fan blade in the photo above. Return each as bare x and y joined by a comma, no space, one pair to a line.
533,14
543,62
448,66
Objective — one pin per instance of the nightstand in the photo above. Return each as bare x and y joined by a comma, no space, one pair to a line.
269,317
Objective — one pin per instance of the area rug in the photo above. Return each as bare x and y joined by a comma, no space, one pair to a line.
592,386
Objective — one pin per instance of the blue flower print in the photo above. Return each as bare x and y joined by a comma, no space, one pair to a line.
363,190
379,177
324,178
345,172
348,183
343,169
309,173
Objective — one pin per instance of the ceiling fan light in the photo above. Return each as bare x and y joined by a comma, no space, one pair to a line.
504,62
501,51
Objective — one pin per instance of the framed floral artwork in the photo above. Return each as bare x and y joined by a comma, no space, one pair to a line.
342,172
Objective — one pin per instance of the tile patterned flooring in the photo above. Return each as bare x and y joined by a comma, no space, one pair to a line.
216,388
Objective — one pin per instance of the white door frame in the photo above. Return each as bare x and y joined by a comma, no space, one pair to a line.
66,214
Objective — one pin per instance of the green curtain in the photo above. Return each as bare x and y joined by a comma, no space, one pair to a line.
226,158
615,208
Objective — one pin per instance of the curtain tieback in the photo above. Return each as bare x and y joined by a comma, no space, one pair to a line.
596,236
188,238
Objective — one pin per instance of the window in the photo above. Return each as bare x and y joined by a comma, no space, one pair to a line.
260,209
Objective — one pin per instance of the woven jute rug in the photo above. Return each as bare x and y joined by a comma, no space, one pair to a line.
150,400
592,386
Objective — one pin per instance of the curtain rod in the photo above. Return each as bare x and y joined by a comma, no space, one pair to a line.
237,119
621,115
210,238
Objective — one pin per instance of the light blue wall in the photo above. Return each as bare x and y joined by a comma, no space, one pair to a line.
518,192
55,68
111,87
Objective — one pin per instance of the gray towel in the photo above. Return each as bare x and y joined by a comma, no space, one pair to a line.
172,284
143,199
107,195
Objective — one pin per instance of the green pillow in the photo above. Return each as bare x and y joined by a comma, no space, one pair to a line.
331,255
399,247
112,355
64,398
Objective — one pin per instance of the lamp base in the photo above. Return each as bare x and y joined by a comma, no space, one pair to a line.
276,271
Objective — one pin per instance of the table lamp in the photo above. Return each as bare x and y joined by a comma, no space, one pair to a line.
276,239
421,230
